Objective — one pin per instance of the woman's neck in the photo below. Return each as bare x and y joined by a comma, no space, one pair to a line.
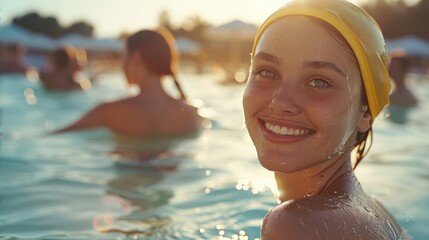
331,176
151,87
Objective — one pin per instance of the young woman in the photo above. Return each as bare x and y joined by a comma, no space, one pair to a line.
318,80
152,113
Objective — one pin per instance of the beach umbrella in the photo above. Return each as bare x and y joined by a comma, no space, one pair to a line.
12,34
409,45
76,40
110,45
100,45
235,32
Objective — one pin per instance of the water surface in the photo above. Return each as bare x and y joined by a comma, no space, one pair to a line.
73,186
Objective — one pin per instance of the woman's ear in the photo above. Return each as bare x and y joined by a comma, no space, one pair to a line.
364,121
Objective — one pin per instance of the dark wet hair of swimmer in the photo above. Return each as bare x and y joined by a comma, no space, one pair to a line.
155,52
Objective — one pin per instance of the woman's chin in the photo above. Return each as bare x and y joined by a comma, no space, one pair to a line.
279,166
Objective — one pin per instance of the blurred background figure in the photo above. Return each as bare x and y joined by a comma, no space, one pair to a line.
408,55
11,59
148,58
401,95
62,72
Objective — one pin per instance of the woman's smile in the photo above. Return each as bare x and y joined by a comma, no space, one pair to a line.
275,130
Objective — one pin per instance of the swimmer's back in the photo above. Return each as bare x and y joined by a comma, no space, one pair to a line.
143,119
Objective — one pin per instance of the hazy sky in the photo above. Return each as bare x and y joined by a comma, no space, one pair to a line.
111,17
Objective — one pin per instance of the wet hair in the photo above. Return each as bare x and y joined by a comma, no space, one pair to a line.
362,138
156,53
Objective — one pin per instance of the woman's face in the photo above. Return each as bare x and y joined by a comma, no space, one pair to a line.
302,101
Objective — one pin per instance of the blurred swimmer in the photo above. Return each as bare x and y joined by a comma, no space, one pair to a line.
152,113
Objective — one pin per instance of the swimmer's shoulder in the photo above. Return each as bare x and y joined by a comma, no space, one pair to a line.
324,217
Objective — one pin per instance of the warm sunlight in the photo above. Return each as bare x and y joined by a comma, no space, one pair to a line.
112,17
191,119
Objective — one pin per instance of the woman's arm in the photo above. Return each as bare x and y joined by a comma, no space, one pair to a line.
93,119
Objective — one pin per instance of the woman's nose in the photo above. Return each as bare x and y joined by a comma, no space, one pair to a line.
284,100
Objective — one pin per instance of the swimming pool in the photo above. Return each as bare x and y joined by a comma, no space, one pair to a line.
73,186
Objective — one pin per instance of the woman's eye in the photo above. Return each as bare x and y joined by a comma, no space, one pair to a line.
266,73
319,83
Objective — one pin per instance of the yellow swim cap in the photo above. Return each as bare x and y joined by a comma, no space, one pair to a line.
361,32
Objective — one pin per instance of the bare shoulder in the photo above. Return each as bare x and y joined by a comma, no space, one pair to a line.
328,217
116,105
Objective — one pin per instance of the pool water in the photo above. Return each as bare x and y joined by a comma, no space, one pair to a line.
76,186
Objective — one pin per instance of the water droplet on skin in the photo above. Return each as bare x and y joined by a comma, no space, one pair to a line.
317,233
391,229
367,210
332,204
338,228
326,226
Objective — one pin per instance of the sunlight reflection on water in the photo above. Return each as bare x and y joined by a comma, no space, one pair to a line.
211,187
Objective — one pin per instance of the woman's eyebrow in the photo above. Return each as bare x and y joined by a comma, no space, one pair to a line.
324,65
268,57
308,64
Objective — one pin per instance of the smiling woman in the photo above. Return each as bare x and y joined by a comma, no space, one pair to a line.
307,105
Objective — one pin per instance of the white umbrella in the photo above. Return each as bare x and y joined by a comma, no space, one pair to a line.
76,40
409,45
92,44
12,34
233,30
107,45
236,32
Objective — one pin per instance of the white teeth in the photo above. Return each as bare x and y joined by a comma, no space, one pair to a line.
296,132
284,130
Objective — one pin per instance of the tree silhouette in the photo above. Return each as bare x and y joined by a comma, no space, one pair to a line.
36,23
49,25
396,19
81,27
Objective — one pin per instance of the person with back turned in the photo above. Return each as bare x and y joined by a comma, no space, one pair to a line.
147,60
